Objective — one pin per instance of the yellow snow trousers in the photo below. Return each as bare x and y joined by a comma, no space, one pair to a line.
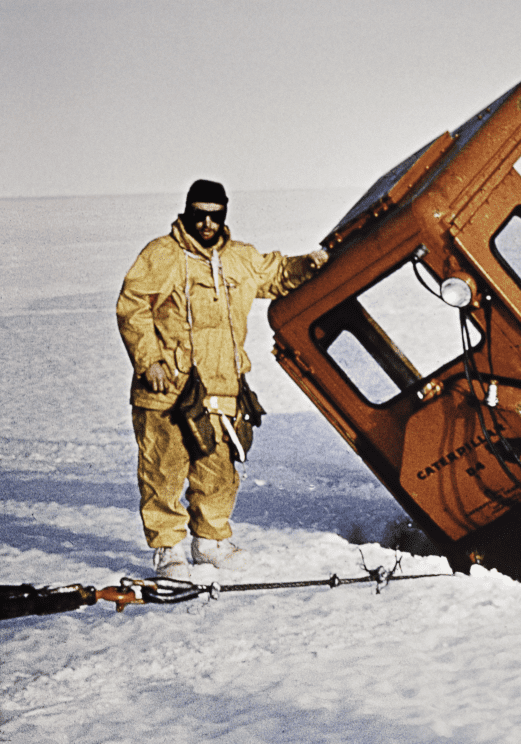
164,465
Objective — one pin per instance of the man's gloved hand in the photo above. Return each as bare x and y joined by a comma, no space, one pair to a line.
157,378
318,258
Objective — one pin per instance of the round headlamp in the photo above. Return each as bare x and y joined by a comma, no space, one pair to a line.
458,291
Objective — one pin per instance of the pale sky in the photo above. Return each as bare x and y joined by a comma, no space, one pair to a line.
144,96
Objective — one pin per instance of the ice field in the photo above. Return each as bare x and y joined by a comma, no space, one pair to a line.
423,662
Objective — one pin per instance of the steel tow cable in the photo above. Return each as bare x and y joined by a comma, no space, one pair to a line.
24,599
171,591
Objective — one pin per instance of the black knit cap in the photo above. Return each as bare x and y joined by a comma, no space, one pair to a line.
210,192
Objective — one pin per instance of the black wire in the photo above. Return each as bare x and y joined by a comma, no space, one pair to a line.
468,355
488,328
467,361
488,331
422,281
506,444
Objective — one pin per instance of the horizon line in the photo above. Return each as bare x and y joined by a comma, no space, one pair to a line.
172,193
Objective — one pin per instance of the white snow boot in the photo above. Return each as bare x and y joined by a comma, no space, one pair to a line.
221,554
171,563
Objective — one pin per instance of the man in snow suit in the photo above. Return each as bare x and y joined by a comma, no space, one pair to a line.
182,314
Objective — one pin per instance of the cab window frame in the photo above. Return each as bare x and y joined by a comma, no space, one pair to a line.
323,340
504,263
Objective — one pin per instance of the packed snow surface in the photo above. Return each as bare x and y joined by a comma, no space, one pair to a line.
425,661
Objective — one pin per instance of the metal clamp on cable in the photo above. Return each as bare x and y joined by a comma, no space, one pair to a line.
170,591
215,590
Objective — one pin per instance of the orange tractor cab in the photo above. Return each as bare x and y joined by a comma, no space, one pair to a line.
409,340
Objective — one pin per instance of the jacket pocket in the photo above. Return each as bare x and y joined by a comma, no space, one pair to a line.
207,306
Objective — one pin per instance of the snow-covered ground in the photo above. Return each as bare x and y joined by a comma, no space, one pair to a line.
425,661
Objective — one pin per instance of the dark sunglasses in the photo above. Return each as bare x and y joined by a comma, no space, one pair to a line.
218,216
